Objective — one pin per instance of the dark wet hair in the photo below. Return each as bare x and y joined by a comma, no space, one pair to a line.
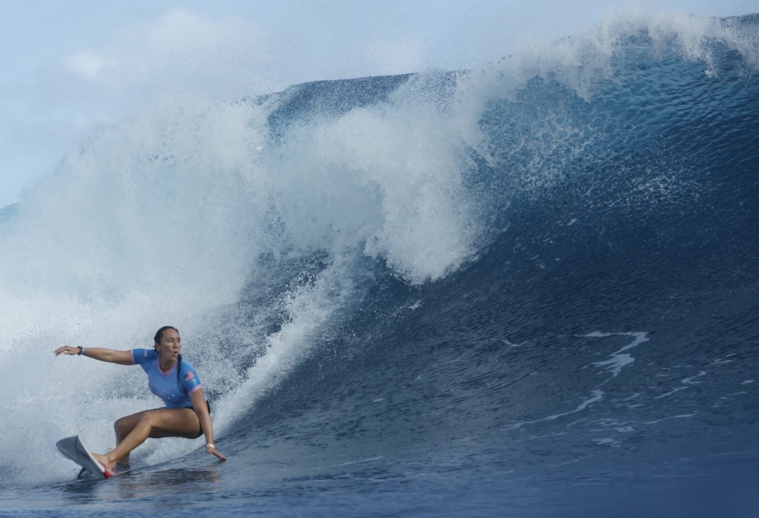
157,338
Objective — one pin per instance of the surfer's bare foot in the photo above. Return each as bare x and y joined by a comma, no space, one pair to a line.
103,459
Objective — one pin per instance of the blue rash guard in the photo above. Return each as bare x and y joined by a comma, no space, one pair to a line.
175,394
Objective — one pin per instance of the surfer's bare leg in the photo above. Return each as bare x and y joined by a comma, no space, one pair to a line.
123,427
133,430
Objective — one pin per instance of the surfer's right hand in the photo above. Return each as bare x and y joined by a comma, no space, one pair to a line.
67,349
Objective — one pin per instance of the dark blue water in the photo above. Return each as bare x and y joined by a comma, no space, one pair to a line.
526,290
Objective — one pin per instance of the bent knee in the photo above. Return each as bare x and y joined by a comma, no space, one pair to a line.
122,423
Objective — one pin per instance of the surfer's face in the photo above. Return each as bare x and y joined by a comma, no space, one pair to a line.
170,344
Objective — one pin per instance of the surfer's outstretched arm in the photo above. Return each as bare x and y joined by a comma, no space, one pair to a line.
98,353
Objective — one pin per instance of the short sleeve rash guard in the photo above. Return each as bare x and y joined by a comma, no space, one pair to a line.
174,393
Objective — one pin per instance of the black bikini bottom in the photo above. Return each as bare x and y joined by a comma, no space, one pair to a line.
200,425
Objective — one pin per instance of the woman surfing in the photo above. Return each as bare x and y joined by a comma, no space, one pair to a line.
187,412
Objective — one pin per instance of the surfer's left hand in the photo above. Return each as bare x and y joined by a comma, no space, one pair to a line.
210,448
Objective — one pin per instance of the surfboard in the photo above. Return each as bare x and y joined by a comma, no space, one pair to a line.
73,449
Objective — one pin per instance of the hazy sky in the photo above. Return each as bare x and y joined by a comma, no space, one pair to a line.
68,65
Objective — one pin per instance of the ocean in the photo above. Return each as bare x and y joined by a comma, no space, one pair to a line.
528,289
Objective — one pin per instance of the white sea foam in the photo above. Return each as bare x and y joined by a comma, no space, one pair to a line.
597,395
584,60
620,358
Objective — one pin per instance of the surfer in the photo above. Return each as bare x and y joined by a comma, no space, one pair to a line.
187,412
